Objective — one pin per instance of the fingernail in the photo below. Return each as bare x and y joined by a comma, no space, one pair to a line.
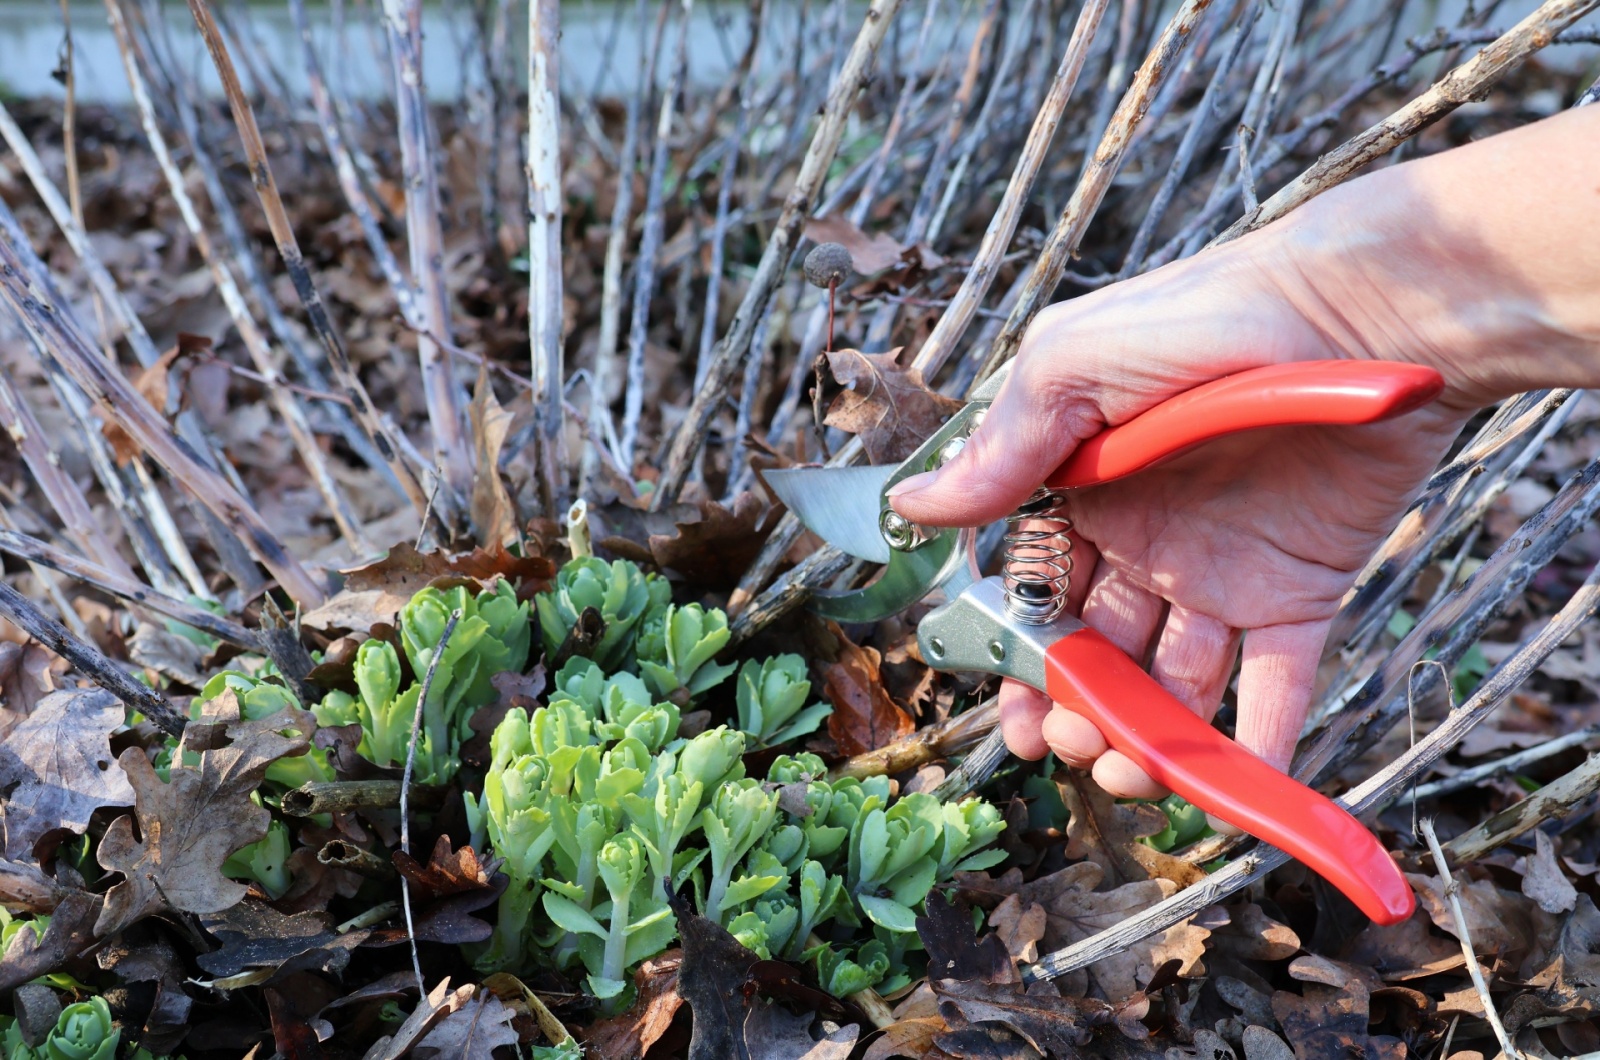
915,484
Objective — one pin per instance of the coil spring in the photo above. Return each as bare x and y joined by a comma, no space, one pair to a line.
1036,566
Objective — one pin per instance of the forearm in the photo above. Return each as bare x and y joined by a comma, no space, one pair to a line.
1483,261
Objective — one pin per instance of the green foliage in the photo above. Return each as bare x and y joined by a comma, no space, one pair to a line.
85,1031
617,590
599,808
1468,672
264,862
567,1050
494,635
677,648
1185,824
771,701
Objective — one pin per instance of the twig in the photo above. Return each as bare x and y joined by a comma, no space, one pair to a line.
338,854
605,357
1552,802
123,586
284,401
735,345
1452,893
1065,238
111,392
1468,777
88,659
953,322
644,275
289,250
405,784
425,238
340,796
927,744
1469,81
544,242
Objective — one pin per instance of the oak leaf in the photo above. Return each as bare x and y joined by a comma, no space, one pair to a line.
430,1010
57,767
883,402
494,517
656,1002
715,550
1104,831
255,935
189,826
773,1033
471,1032
864,716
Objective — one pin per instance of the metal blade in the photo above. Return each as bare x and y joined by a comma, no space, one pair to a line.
841,505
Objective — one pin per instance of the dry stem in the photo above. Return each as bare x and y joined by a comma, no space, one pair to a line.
735,345
289,249
1468,82
1452,893
544,241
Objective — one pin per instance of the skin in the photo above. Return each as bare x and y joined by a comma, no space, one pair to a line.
1482,262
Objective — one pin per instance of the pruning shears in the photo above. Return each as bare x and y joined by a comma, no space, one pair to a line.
1014,624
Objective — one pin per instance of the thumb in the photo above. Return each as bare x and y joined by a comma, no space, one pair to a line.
1033,425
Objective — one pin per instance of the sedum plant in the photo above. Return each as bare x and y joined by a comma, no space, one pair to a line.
84,1031
617,590
599,807
771,698
494,635
677,651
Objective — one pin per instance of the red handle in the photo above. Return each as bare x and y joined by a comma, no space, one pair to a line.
1086,674
1279,395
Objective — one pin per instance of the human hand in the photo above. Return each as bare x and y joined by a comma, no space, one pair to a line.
1254,538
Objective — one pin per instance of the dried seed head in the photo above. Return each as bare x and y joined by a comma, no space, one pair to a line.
827,264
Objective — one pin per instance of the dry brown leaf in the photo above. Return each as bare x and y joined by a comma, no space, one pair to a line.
440,1002
1410,949
864,717
1251,935
494,517
1020,927
868,253
58,764
71,930
255,935
771,1032
168,654
447,872
1104,831
656,1003
1053,1024
25,888
190,825
909,1037
714,551
27,674
1543,880
881,401
1499,921
1076,911
152,385
471,1032
1164,866
378,590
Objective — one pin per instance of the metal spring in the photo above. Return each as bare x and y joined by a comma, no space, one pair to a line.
1037,563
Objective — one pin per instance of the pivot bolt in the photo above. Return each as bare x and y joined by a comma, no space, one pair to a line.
902,534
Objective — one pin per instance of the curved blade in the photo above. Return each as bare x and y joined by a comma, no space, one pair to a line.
841,505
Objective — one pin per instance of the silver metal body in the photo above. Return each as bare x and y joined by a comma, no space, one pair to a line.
976,631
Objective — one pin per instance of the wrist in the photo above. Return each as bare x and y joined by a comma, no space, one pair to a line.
1436,262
